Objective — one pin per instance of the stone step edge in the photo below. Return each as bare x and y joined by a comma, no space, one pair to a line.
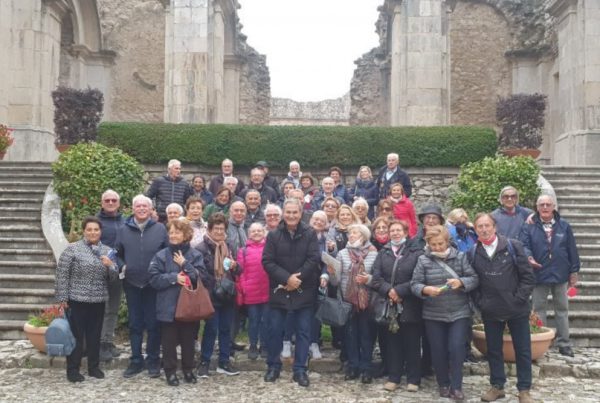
27,277
26,251
37,292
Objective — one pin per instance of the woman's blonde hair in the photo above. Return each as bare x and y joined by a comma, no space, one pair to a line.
435,231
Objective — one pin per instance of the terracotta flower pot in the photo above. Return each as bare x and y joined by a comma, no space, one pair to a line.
518,152
2,154
540,343
36,335
63,147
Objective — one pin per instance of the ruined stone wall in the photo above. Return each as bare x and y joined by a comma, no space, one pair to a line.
135,30
480,72
367,92
329,112
255,88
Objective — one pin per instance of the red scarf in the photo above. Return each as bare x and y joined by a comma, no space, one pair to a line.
489,241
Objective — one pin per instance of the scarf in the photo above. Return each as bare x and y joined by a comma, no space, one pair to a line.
357,294
180,247
382,239
488,242
221,252
393,199
441,255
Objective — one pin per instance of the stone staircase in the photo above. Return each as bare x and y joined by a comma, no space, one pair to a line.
27,264
578,193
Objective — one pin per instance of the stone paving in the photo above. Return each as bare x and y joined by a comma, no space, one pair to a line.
28,376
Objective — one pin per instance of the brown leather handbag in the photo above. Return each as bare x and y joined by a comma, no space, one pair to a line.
194,304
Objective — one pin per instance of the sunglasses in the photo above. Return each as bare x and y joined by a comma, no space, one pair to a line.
110,200
386,209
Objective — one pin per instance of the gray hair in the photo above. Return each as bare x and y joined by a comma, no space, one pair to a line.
251,191
363,229
175,206
111,192
545,196
294,163
327,178
256,224
142,198
506,189
319,214
172,163
294,201
359,201
395,155
275,207
228,179
236,203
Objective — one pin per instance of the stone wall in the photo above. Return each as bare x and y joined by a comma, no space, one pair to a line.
368,106
255,88
480,73
329,112
429,184
135,30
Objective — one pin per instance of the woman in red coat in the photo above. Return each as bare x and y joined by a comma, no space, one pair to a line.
254,286
403,208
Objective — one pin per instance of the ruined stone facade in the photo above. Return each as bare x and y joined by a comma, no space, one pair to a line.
330,112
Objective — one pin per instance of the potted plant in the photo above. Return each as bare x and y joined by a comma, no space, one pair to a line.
5,140
35,328
541,338
521,117
76,115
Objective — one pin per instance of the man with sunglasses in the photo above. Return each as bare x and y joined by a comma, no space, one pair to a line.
552,253
510,216
112,220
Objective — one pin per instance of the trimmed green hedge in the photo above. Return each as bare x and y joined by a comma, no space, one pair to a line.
314,146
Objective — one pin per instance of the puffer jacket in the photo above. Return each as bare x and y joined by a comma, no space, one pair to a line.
163,277
505,281
560,258
452,304
342,275
254,280
167,190
382,277
285,255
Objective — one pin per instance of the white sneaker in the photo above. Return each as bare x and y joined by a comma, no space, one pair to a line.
315,353
198,346
287,349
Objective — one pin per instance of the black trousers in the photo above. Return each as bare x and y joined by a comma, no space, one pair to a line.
178,333
404,353
86,324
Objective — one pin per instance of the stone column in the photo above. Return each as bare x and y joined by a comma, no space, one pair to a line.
578,82
419,79
187,62
231,105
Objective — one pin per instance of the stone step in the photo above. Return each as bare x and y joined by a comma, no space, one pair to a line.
588,259
23,242
568,208
11,329
30,232
561,182
590,303
35,212
585,287
20,311
15,267
26,296
588,248
38,281
592,227
589,274
26,177
579,199
27,255
6,201
578,319
573,218
585,336
577,191
587,237
17,184
22,193
19,219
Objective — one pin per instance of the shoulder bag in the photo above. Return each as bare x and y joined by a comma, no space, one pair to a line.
194,304
379,306
333,311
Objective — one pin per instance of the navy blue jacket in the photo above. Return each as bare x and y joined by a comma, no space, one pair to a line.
368,191
110,227
165,191
341,192
136,249
384,184
163,277
559,258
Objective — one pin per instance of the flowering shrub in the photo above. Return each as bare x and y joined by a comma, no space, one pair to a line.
46,316
535,323
76,114
5,139
521,117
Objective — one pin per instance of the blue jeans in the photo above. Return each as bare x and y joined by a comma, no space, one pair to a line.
358,340
519,331
141,307
219,324
257,323
447,342
315,331
303,321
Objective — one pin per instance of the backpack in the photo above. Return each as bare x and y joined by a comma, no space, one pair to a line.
59,338
510,247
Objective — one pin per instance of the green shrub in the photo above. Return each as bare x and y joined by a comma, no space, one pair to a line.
84,172
314,146
479,183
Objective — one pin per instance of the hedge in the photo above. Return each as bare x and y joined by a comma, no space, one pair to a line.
314,146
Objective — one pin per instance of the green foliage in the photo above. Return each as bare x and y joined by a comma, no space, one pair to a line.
46,316
315,146
479,183
123,315
85,171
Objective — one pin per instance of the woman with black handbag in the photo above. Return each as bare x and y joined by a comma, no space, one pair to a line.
392,272
170,269
223,269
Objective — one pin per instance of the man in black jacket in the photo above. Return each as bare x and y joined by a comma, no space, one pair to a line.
291,259
171,188
506,282
390,174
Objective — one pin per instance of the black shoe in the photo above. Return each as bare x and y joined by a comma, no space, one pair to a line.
202,369
366,378
272,375
351,374
96,373
105,353
172,380
227,369
263,352
154,371
253,353
75,377
237,347
132,370
568,351
301,379
189,377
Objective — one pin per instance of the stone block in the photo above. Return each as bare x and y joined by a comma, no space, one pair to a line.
20,114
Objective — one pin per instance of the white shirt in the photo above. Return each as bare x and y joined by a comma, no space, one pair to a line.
491,249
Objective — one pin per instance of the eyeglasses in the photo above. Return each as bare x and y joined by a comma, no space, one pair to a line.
386,209
110,200
272,215
545,205
330,205
509,196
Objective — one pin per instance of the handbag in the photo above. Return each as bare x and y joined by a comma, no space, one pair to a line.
194,304
225,289
379,306
333,311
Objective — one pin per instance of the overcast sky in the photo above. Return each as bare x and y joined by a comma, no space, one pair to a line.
311,45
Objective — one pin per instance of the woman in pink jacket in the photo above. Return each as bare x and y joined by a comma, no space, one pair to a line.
403,208
254,288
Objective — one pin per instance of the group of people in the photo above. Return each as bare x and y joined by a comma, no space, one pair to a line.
262,251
